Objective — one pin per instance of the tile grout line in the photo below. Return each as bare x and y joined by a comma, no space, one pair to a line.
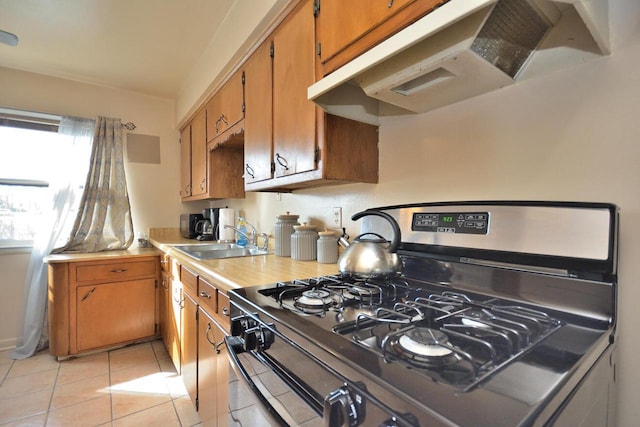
53,389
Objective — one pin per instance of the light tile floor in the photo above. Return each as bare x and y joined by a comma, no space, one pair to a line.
131,386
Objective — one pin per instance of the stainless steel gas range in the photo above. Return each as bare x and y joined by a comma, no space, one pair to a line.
504,314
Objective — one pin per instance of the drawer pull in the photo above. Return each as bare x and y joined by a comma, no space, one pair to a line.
88,294
119,270
203,294
225,311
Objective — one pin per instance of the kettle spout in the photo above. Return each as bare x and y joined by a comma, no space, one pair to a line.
344,239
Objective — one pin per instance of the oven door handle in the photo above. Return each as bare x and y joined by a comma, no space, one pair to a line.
234,346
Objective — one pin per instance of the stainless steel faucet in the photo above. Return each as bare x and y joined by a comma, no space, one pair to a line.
251,238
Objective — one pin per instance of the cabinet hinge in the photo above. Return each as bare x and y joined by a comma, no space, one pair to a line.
197,403
317,155
319,52
155,328
243,78
272,50
273,167
197,315
316,8
156,283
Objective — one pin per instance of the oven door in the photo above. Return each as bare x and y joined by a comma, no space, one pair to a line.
284,386
259,390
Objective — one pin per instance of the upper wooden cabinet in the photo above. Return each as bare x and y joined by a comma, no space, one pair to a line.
213,166
226,108
346,29
308,147
258,116
185,161
294,117
193,157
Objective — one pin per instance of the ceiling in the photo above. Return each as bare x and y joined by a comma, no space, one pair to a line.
148,46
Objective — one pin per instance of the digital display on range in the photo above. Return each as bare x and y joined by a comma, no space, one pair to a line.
451,222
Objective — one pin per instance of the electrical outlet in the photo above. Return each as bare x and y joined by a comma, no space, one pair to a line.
337,217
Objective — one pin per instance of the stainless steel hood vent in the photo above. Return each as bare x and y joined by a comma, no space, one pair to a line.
510,34
460,50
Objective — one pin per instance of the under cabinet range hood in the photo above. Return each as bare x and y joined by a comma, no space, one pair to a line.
462,49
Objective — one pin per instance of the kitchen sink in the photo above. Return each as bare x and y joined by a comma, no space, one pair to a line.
204,251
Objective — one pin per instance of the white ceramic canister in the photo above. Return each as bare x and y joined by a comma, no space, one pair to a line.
283,232
327,247
303,242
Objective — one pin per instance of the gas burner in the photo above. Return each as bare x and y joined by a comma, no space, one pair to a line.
425,342
423,347
476,319
363,291
314,301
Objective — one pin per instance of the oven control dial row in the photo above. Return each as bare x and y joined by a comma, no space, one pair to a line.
258,338
239,324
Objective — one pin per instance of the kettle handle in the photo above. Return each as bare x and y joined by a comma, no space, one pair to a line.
395,242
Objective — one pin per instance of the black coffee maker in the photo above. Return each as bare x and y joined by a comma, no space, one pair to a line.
208,230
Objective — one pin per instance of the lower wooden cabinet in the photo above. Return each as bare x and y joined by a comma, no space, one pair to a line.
170,322
202,324
101,303
213,371
189,347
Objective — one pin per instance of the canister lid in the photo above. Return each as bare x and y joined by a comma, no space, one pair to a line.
327,233
305,227
288,216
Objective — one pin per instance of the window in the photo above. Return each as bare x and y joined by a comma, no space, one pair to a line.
32,153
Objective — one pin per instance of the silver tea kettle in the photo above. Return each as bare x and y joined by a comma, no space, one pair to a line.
370,258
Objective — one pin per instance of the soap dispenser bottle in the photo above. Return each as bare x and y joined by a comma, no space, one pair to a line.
241,239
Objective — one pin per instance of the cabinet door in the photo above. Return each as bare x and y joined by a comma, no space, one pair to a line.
212,380
226,108
199,154
294,116
175,318
258,115
189,344
185,161
346,29
170,318
113,313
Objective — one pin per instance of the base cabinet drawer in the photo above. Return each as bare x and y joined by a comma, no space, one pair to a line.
113,271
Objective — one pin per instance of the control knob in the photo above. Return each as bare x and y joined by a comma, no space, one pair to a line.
239,324
258,338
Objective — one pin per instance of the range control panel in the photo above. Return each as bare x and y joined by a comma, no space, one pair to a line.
451,222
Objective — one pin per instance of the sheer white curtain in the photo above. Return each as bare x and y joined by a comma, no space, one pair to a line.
104,220
66,190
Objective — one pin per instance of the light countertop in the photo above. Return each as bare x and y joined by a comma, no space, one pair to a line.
240,272
228,273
